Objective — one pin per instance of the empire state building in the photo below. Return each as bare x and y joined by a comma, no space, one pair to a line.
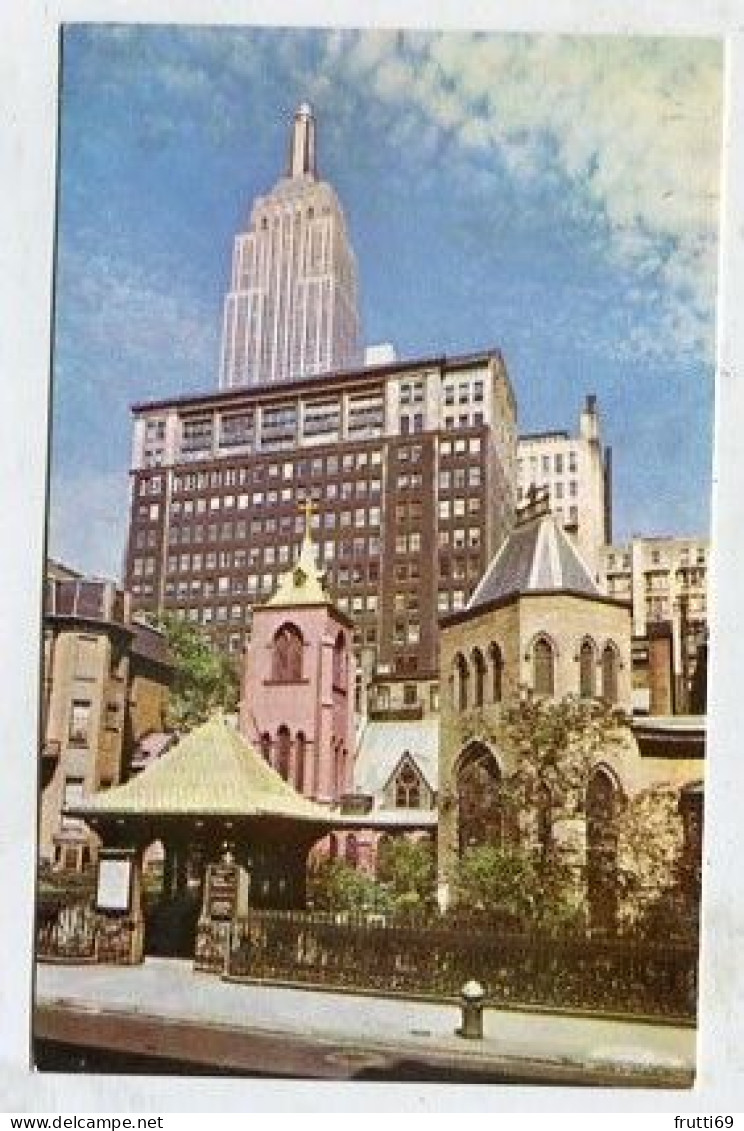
291,310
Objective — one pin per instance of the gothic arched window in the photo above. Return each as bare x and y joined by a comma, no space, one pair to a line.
462,680
287,656
479,668
587,673
497,672
300,746
609,673
480,817
407,788
339,662
283,751
602,802
544,667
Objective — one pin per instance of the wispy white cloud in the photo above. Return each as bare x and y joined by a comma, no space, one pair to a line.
631,127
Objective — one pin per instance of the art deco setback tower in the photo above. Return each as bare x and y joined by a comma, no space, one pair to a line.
291,311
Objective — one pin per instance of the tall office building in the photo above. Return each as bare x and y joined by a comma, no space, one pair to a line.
577,471
291,310
411,467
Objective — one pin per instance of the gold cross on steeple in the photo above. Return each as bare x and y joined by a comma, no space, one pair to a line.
309,510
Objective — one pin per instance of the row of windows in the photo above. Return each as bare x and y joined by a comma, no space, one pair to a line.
285,524
257,499
464,420
460,446
486,669
461,477
459,507
460,568
289,470
543,656
463,393
558,490
557,463
267,556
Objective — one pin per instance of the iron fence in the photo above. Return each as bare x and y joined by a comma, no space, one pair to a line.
67,933
611,974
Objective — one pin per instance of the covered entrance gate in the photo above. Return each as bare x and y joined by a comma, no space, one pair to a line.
218,810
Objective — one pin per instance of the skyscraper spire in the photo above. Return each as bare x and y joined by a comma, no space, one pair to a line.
291,307
302,143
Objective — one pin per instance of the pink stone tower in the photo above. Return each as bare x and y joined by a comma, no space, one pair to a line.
297,696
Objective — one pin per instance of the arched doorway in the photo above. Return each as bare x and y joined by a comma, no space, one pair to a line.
172,898
480,804
602,808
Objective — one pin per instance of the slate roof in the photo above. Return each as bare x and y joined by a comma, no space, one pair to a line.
383,745
537,557
210,771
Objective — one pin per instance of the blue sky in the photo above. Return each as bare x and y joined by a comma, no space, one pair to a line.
554,197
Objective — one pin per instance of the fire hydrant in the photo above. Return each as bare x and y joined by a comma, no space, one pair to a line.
472,996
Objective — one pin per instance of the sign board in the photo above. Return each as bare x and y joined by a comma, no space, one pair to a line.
222,891
227,891
114,889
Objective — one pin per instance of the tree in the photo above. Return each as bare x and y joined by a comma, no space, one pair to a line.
552,748
502,882
204,680
335,885
652,867
406,869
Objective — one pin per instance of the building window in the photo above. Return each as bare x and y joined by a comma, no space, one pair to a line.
609,673
266,746
339,663
544,668
80,722
299,775
72,795
462,680
479,667
602,804
497,672
287,657
480,802
587,688
407,788
283,752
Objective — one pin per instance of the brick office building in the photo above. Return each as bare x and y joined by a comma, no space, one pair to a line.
411,467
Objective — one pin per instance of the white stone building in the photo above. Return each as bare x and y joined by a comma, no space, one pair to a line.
665,579
577,472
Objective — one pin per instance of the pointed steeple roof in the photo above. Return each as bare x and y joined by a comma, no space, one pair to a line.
304,582
210,771
537,557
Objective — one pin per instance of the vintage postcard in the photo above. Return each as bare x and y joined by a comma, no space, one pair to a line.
376,628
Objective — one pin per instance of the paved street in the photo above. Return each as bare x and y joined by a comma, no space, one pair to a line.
349,1033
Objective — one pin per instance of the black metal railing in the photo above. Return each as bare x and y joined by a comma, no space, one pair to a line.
67,933
436,957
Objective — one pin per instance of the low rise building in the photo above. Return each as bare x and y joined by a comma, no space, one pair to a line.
105,688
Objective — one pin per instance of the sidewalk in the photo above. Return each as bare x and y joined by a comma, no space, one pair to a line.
346,1033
